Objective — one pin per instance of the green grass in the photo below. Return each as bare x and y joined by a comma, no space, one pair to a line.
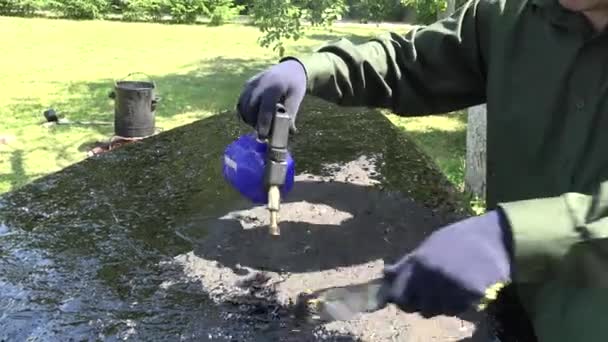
199,71
441,136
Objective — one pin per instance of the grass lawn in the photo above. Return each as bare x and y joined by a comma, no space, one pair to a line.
199,70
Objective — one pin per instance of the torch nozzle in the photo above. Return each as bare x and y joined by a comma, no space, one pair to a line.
274,202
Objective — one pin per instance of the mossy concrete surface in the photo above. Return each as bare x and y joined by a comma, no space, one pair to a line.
98,250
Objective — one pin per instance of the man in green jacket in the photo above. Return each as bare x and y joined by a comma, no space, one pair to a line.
541,66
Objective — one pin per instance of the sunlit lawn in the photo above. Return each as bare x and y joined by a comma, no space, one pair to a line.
198,70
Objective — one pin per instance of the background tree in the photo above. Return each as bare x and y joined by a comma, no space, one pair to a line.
283,19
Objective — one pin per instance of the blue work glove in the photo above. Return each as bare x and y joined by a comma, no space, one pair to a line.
451,270
284,82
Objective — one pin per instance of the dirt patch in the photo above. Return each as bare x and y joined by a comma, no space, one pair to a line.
336,230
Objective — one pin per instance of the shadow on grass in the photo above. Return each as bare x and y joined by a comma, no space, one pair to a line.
17,177
210,86
17,164
448,149
334,35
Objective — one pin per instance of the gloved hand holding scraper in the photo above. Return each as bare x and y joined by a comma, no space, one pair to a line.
456,268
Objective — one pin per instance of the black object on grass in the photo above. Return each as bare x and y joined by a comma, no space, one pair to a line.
50,115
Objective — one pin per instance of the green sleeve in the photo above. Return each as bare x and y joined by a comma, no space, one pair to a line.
434,69
551,235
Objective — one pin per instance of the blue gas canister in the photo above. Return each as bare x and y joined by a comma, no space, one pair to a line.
243,167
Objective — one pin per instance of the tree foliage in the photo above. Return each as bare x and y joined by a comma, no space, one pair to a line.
180,11
21,7
427,11
80,9
283,19
376,10
221,11
278,20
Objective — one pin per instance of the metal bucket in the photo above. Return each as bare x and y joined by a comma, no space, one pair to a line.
134,108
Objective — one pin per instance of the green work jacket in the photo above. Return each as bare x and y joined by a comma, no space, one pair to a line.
543,73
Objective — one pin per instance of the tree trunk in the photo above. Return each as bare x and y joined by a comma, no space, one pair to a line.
475,164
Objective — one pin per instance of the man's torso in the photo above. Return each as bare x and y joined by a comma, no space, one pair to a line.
547,81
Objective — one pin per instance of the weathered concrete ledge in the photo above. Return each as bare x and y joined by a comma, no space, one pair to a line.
148,241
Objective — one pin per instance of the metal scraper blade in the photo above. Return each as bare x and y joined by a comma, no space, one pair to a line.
340,303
